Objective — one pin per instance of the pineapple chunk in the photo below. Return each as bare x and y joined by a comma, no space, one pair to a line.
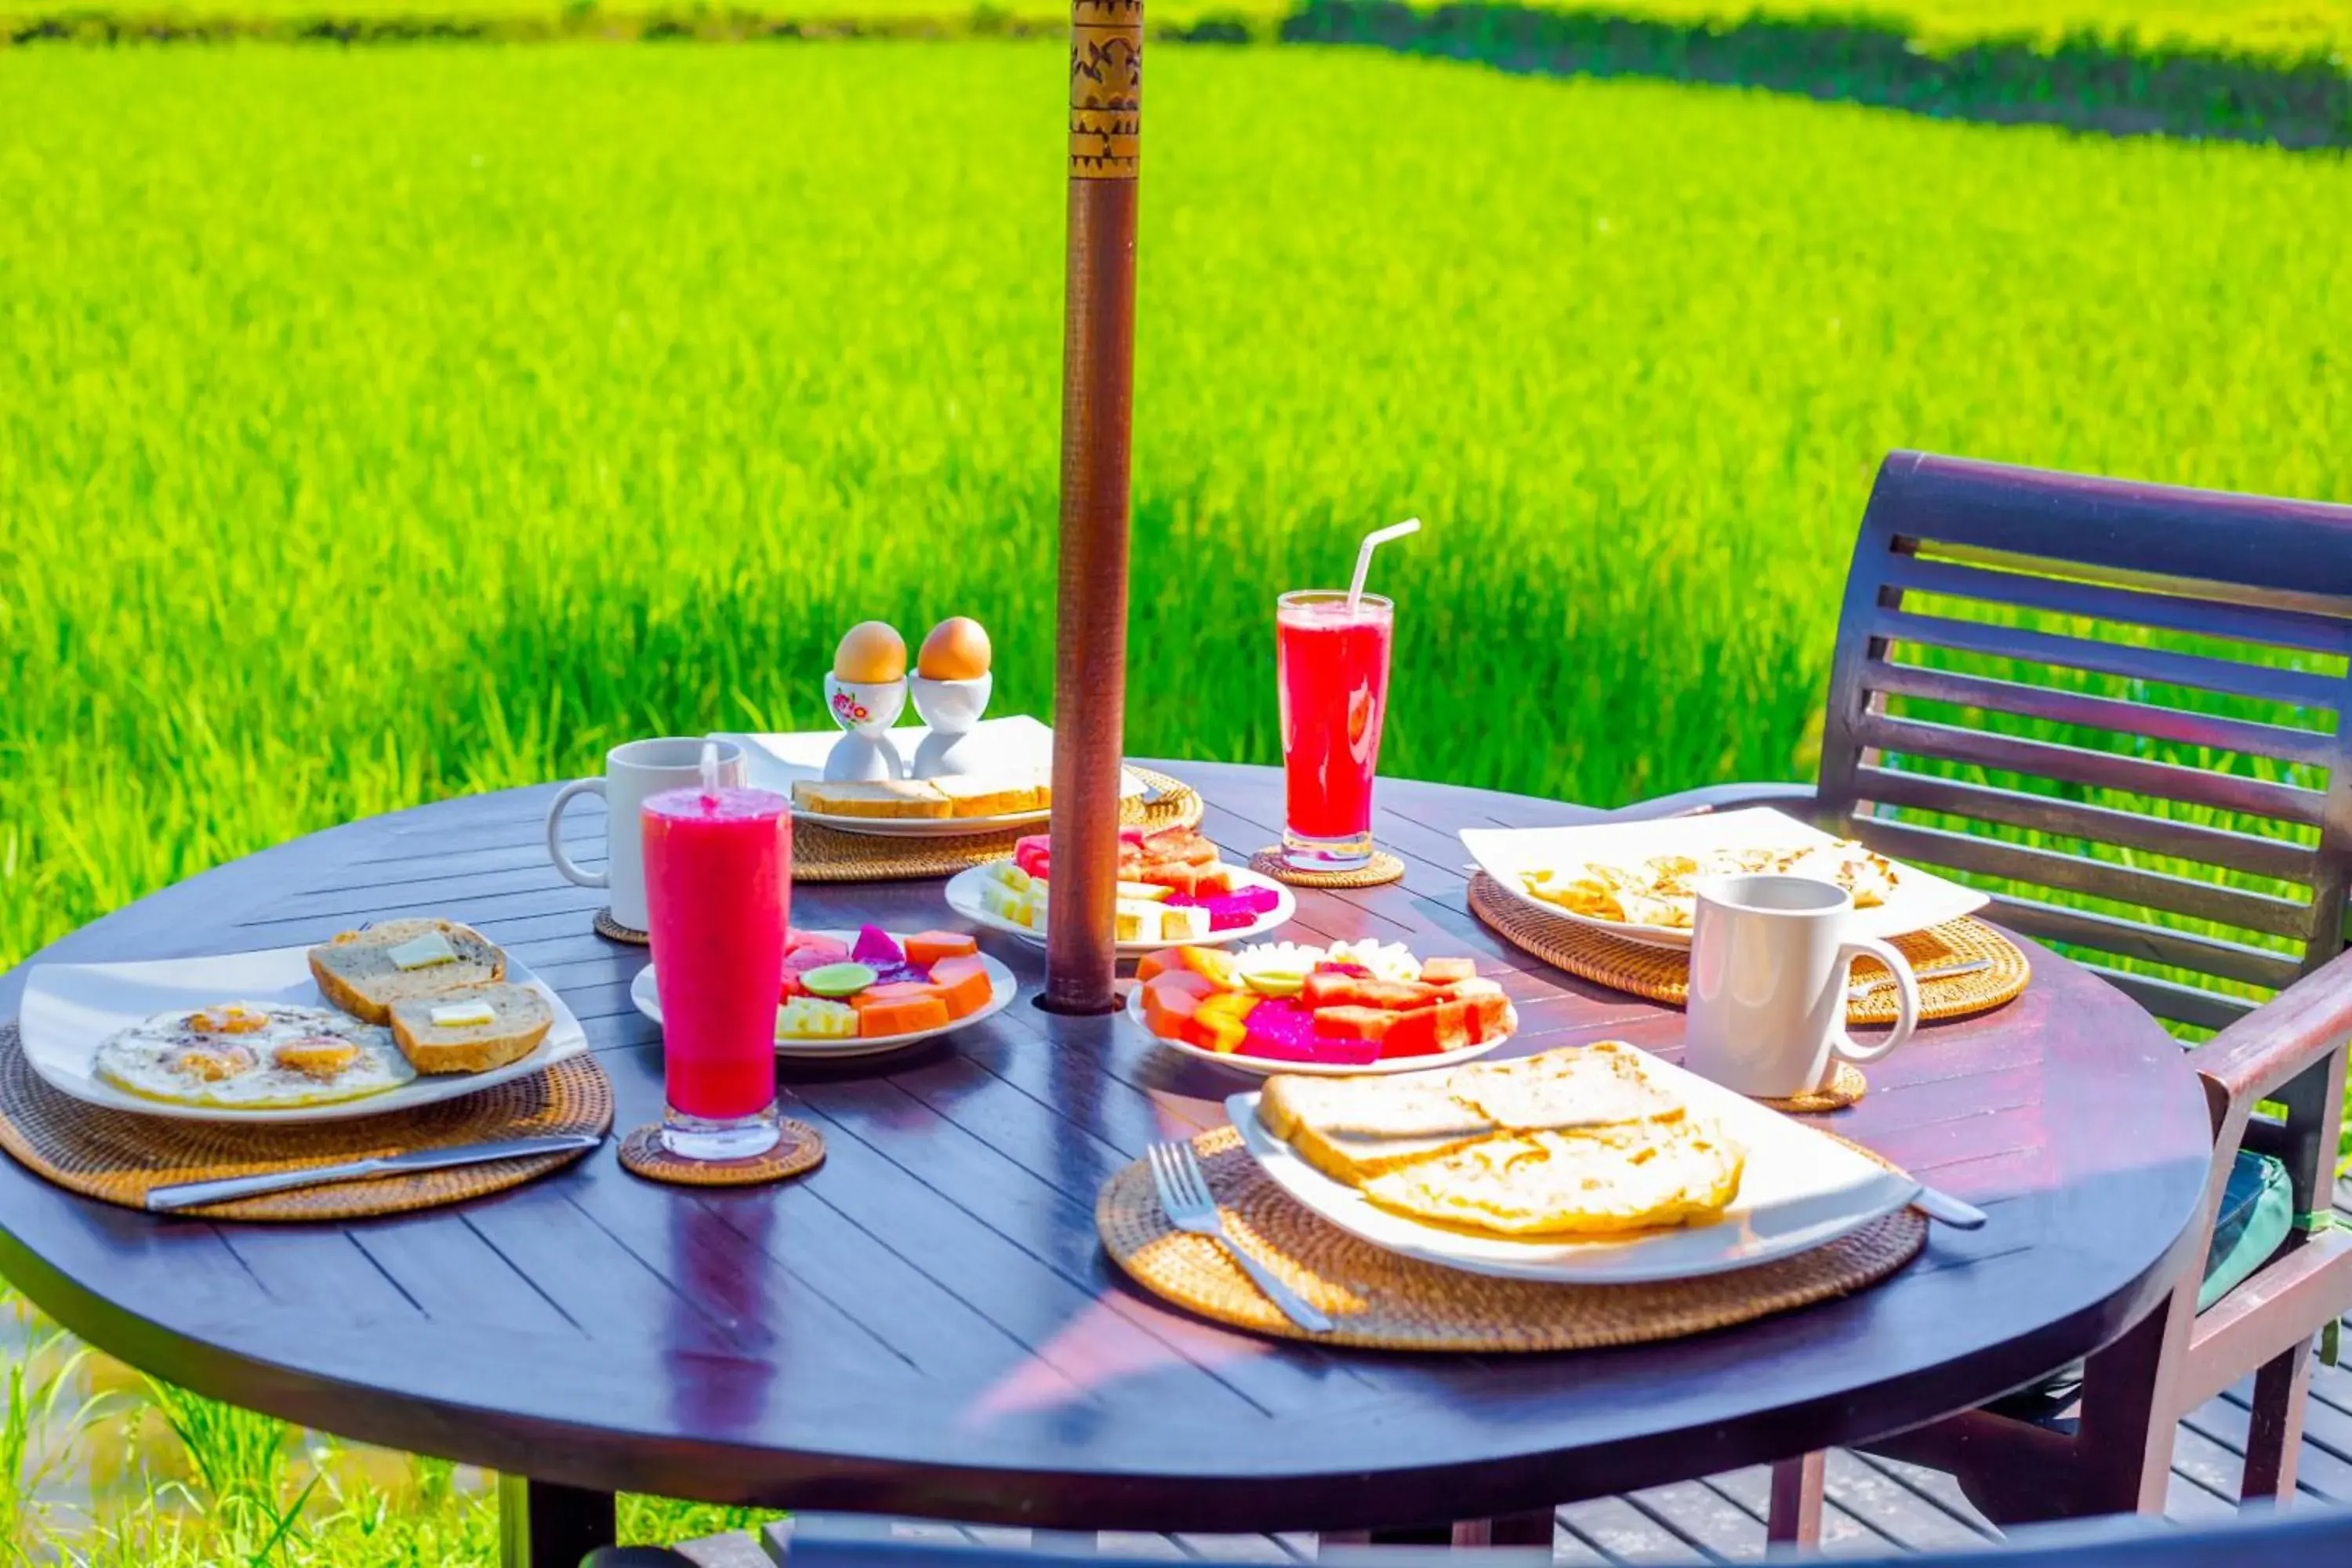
1143,892
1005,874
1183,922
1005,903
1136,919
814,1018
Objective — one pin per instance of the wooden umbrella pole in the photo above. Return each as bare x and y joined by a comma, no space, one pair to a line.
1098,393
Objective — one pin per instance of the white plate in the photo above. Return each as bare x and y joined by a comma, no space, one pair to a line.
1800,1190
70,1009
1018,744
1920,899
647,1000
963,897
1261,1067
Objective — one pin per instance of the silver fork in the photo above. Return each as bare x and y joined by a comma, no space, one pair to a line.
1185,1199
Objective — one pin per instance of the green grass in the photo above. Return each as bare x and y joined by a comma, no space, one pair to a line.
383,425
2270,28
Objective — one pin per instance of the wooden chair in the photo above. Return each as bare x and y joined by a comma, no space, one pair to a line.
2172,696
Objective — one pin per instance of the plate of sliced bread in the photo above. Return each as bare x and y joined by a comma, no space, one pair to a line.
1586,1165
1004,780
390,1018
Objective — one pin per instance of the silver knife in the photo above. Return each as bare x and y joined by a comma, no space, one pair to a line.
1952,1211
1862,988
191,1194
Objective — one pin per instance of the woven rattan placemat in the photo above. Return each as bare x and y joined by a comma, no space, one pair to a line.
1382,869
117,1155
828,855
1663,973
1381,1301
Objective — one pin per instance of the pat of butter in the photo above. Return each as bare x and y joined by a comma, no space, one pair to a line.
463,1015
422,953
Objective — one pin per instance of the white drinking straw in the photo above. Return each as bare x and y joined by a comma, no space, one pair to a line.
1378,537
710,773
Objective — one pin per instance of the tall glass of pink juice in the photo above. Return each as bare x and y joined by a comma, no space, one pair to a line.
718,888
1332,670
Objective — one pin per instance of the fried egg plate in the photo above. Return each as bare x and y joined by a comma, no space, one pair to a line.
253,1056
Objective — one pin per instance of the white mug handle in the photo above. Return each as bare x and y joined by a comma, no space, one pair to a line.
1906,1000
564,863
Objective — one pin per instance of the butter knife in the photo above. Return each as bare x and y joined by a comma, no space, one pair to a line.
1862,988
191,1194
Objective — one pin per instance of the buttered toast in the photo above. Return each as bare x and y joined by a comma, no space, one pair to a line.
366,972
475,1030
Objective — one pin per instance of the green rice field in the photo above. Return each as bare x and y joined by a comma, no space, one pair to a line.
381,424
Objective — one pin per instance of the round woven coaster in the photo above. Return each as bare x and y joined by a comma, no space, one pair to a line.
1663,973
1384,867
828,855
1381,1301
606,926
116,1155
643,1153
1846,1087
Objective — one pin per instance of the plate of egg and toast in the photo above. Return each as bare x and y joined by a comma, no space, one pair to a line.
399,1015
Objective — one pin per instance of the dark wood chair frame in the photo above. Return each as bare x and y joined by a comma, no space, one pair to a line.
2273,573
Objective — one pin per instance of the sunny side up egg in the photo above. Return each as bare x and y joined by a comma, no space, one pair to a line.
253,1056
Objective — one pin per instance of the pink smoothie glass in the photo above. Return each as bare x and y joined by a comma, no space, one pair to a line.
1331,674
718,887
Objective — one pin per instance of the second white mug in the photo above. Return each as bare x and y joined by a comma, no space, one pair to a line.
632,771
1769,966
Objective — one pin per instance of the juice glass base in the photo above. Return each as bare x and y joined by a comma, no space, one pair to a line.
1307,852
736,1138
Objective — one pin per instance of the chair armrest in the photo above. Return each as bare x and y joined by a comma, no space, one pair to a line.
1716,797
2270,1046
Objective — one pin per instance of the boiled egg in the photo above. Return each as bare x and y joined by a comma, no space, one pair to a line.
870,652
956,650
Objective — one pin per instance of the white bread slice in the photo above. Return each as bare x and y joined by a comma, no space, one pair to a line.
356,973
881,797
521,1019
981,795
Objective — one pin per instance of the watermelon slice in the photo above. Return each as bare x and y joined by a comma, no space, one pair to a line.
1034,853
815,954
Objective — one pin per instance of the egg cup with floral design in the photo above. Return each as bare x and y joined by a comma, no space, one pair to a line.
866,710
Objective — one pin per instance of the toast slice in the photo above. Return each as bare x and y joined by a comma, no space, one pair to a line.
981,794
881,797
355,972
519,1019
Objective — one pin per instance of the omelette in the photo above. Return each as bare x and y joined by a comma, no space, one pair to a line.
253,1056
1663,890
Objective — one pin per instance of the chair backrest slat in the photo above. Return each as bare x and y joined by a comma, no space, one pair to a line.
2147,944
2117,706
2274,857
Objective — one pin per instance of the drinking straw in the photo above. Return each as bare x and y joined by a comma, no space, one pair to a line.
1378,537
709,772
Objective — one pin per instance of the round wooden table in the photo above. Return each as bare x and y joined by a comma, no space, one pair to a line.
928,1325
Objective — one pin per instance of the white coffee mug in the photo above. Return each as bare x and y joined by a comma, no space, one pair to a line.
631,771
1769,966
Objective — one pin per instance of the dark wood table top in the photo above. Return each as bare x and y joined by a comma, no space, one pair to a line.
927,1325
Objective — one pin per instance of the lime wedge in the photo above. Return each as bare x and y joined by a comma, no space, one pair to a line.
841,979
1275,982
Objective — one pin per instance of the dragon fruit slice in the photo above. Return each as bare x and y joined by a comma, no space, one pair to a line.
1234,910
1280,1030
875,949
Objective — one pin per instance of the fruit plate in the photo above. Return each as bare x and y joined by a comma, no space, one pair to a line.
71,1009
1004,987
1265,1067
1800,1190
1919,900
963,897
1018,744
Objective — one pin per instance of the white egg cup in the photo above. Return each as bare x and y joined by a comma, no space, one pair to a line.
951,707
866,710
